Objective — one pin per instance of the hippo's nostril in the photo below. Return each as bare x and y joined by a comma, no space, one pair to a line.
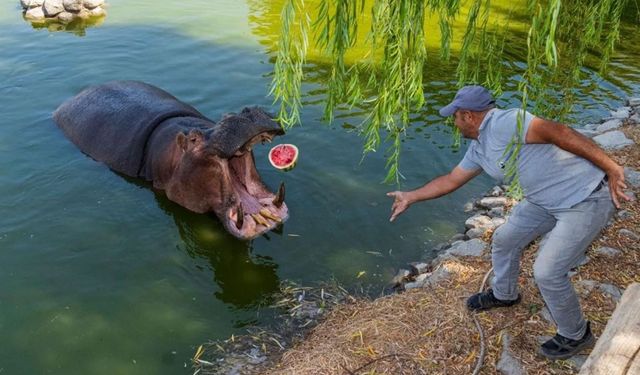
240,219
279,199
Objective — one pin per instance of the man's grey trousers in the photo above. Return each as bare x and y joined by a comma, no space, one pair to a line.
567,234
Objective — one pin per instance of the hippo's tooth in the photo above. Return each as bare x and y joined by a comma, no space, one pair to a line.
266,213
279,199
260,220
240,218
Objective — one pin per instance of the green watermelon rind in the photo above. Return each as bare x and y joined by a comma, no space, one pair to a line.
289,166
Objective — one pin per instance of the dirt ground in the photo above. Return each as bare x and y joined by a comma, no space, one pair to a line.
429,331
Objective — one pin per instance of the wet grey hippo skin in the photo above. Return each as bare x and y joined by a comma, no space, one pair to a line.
142,131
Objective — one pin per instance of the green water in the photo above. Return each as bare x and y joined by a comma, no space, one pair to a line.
100,275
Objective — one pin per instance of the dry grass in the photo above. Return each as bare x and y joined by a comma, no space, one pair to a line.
429,331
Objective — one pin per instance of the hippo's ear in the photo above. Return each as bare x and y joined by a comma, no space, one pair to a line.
190,140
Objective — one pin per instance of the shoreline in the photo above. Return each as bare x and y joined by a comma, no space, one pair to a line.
441,285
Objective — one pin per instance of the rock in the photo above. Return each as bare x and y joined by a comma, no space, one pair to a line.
508,364
496,191
429,279
83,14
436,276
586,286
473,247
635,119
631,177
621,113
590,127
400,277
34,14
496,212
73,6
611,290
613,140
498,221
53,7
441,246
417,283
475,233
492,202
418,268
623,214
91,4
587,133
66,17
478,221
609,125
459,237
629,234
31,3
468,207
608,251
633,102
97,12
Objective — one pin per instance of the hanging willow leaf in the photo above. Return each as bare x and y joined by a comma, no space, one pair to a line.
390,79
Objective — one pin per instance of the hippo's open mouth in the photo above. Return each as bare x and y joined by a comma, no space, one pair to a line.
256,209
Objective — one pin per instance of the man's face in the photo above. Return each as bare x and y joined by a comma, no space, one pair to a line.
463,121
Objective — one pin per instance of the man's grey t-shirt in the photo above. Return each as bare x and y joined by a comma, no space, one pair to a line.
549,176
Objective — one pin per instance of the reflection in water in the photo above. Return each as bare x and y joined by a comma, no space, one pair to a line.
245,280
77,26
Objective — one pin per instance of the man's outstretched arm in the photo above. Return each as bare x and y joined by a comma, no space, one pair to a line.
435,188
545,131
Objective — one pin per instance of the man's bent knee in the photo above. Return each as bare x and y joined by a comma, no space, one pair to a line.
502,239
546,274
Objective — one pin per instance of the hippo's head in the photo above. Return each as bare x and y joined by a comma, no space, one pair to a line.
216,172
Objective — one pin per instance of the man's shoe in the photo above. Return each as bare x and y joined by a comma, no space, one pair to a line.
560,347
486,300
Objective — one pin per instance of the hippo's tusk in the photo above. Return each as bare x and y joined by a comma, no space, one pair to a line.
279,199
240,219
266,213
260,220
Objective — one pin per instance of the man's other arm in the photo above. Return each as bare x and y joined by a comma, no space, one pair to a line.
545,131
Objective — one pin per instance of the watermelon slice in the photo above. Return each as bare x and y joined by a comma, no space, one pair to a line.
283,156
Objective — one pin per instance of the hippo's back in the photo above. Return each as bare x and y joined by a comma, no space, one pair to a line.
113,121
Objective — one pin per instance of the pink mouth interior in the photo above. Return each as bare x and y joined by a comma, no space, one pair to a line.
254,197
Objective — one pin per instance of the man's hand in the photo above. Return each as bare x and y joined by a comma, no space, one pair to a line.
400,204
617,185
545,131
435,188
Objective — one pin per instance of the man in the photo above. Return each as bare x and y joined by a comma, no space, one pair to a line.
570,187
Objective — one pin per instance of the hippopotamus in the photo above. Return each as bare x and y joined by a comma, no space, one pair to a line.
142,131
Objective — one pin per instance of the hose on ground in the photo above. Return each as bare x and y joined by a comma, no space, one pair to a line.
480,361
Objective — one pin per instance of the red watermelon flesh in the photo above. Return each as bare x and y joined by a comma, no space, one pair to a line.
283,156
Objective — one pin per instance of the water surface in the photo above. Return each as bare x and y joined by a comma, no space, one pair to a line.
100,275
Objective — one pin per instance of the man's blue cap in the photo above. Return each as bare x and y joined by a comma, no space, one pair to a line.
472,98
